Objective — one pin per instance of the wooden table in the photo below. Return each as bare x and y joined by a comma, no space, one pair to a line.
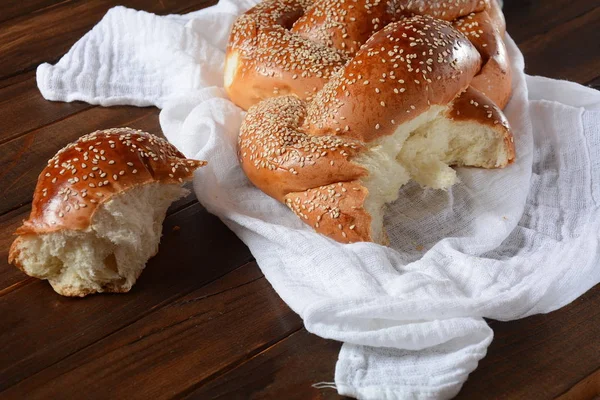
206,323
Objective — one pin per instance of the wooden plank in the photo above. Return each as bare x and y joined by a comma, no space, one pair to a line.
17,118
568,51
587,389
51,139
526,19
29,40
23,158
39,328
594,83
17,79
547,349
16,8
542,356
179,335
286,370
11,277
167,351
23,109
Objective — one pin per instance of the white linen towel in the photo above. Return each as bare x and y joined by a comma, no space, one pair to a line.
502,244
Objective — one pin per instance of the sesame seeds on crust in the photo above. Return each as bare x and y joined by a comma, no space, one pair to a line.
88,172
282,47
300,144
399,73
280,157
494,79
347,24
335,210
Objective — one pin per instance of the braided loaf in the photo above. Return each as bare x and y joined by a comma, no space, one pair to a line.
362,96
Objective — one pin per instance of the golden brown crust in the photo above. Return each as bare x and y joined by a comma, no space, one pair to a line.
14,252
271,67
303,153
88,172
265,58
495,78
344,26
335,210
401,72
279,157
497,17
472,105
447,10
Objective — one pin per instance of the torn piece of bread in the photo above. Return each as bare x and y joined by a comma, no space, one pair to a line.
472,132
401,109
98,209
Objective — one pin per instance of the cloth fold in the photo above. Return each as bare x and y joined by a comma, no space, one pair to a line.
502,244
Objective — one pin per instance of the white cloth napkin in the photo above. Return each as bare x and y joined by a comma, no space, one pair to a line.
502,244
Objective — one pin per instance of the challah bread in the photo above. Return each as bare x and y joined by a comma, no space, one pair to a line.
494,11
295,46
265,59
401,109
402,71
495,78
97,211
346,25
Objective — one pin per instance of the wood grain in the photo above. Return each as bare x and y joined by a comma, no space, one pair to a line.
542,356
568,51
10,276
540,346
526,19
47,327
23,110
31,39
587,389
286,370
191,327
13,80
16,8
594,83
22,158
170,349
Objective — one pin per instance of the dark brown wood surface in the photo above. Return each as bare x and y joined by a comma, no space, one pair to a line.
206,324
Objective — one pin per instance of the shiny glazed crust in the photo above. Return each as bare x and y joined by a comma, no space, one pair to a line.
102,164
303,153
495,78
295,46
